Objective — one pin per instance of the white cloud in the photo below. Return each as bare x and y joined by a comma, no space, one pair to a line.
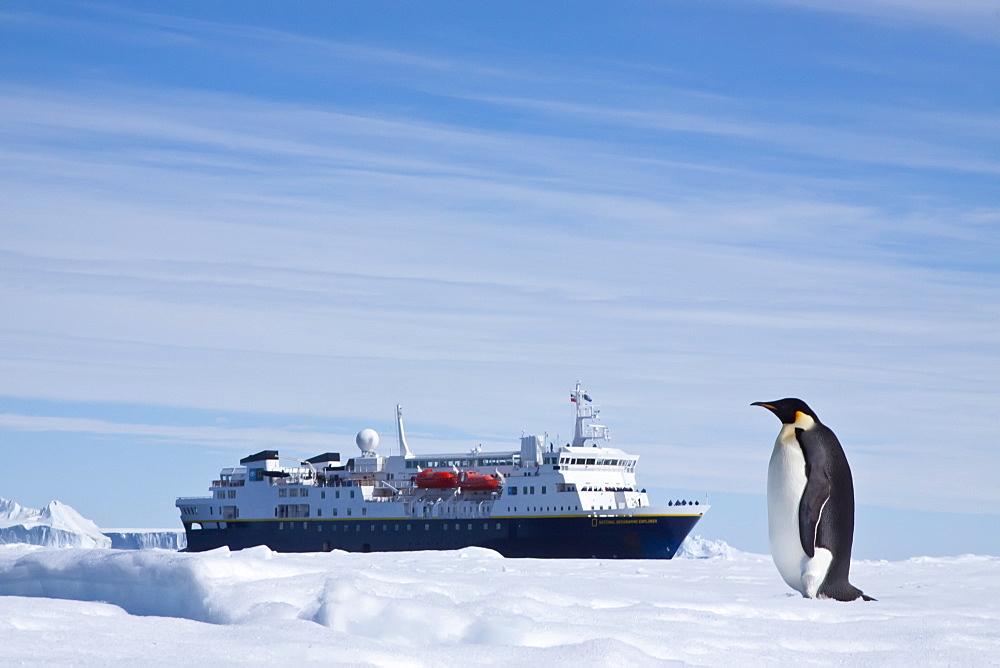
978,18
241,437
224,252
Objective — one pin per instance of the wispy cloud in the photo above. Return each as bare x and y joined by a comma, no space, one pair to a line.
979,18
469,248
241,437
883,146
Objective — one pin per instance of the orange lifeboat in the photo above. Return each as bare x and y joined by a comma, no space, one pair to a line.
477,482
431,479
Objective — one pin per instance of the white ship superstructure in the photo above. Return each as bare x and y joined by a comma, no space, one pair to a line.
524,502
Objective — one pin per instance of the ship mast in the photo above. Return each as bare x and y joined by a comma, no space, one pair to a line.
404,449
586,416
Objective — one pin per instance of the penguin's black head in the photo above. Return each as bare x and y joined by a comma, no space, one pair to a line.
786,409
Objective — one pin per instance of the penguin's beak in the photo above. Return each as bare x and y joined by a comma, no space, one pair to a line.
768,406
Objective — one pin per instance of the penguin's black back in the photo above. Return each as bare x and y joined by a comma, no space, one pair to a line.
829,496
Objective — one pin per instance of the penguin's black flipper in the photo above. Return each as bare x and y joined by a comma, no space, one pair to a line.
816,493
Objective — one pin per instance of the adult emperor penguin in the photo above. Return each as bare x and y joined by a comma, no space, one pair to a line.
810,504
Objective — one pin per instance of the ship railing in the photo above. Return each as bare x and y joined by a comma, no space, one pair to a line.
366,481
337,482
228,483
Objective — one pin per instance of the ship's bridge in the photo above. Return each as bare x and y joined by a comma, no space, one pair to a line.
571,458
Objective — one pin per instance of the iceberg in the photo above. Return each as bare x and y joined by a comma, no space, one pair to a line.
146,539
55,525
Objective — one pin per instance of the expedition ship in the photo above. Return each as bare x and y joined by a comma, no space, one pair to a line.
574,501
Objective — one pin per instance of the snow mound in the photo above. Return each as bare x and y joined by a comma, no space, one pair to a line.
55,525
474,607
696,547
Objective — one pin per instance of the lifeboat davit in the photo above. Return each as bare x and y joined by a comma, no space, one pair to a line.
431,479
477,482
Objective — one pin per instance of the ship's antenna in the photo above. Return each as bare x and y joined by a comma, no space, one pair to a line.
577,397
404,449
586,416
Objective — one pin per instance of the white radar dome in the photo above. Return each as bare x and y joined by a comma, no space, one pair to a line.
367,440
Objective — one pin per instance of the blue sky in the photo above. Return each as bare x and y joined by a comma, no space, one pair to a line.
232,226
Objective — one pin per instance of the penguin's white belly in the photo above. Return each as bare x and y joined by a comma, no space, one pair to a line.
786,481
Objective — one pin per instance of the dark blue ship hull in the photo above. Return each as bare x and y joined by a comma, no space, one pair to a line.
575,537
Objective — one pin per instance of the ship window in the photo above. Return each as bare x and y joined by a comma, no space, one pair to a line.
319,527
304,526
348,512
364,512
397,527
352,493
282,492
319,512
334,512
486,526
333,527
232,494
281,526
457,526
409,527
373,527
512,491
498,526
357,528
590,461
336,494
293,491
524,490
304,492
532,489
444,526
543,489
385,527
427,527
470,526
322,495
